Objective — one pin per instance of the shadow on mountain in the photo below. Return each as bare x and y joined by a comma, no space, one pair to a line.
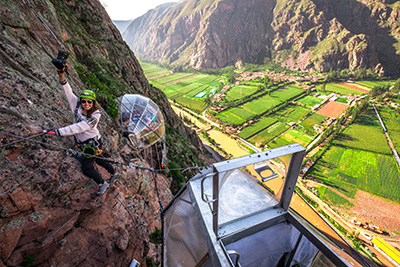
357,18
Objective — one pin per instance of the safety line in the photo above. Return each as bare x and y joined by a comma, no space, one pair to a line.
28,4
155,183
15,186
21,139
62,226
130,165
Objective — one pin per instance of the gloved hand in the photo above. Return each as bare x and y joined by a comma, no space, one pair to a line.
52,131
64,69
60,61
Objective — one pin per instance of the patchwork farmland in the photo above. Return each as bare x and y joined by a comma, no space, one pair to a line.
273,114
360,158
267,115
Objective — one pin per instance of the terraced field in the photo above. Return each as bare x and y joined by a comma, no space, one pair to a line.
183,88
239,115
360,157
309,101
392,123
310,122
240,91
341,89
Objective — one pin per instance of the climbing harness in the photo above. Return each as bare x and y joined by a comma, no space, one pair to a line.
28,4
73,153
90,148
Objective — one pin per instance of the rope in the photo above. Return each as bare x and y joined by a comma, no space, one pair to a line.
155,184
62,226
17,185
69,151
333,229
28,4
21,139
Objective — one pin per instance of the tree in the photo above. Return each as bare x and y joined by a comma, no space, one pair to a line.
231,76
323,87
208,100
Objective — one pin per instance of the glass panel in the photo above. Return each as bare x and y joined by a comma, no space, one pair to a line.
305,253
240,195
251,189
334,244
322,260
184,244
267,247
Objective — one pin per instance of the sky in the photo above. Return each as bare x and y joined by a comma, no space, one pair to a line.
130,9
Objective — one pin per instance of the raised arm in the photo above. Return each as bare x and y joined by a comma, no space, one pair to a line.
71,97
61,65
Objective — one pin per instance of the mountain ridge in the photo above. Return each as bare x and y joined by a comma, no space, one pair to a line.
305,35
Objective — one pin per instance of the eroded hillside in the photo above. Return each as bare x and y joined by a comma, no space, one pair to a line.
314,35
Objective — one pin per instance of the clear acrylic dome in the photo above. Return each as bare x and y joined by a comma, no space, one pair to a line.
141,120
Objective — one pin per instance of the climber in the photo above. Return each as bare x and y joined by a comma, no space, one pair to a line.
87,114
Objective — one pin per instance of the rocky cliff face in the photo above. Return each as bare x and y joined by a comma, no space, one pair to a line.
316,35
204,34
49,214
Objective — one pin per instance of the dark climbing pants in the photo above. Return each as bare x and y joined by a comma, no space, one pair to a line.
90,170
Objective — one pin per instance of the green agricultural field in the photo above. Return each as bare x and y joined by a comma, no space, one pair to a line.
182,87
257,127
286,93
343,167
292,113
332,198
240,91
366,134
340,89
269,133
230,118
204,79
342,100
310,122
172,77
261,105
372,84
149,68
157,73
290,137
258,106
309,101
195,105
392,123
360,157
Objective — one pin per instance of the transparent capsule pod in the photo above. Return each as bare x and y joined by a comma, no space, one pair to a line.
141,120
238,213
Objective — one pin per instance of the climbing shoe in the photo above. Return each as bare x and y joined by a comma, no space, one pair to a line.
103,188
113,177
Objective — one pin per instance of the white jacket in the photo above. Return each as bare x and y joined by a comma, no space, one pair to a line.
83,128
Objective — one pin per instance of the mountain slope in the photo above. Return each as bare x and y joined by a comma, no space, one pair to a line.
49,215
314,35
